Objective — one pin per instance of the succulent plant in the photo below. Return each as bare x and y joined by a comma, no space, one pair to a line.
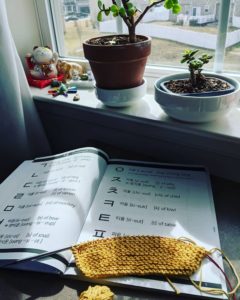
195,65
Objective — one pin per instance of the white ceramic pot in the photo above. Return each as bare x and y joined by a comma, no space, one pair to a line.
196,109
121,97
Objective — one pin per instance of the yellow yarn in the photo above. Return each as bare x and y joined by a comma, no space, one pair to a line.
143,255
97,293
138,255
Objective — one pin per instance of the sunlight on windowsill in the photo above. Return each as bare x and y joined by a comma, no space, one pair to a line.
147,110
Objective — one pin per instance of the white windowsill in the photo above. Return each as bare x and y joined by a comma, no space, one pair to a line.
216,144
227,127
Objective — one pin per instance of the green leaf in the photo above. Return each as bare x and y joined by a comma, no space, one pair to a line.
131,11
107,12
205,58
190,52
184,60
100,4
115,14
122,12
168,4
114,8
186,51
176,8
129,5
196,64
193,52
99,16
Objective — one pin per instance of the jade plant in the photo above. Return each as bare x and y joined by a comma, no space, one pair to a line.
195,65
130,14
197,82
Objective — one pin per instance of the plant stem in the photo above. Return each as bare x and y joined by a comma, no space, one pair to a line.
132,34
192,77
131,22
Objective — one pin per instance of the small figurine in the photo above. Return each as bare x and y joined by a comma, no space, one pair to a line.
84,77
70,70
72,90
75,75
62,90
76,97
55,83
42,63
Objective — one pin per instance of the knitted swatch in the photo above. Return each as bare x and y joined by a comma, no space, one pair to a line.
138,255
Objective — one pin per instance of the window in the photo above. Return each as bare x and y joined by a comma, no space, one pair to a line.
196,11
206,8
195,27
69,8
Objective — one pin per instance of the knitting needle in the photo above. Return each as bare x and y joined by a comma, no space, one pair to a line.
34,257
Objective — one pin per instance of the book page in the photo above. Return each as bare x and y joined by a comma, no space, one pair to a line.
44,204
136,198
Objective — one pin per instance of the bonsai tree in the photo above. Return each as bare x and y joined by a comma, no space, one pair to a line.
130,14
195,66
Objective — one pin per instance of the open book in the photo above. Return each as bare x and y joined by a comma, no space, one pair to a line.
57,201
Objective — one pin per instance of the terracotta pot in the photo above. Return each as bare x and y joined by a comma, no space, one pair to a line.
118,66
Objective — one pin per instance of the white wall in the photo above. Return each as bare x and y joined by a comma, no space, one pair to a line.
236,21
23,24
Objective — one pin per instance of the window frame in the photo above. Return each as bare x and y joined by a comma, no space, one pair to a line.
49,25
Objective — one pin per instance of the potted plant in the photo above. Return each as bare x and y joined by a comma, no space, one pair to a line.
118,61
196,96
197,84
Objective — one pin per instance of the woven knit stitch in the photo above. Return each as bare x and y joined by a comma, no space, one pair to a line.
138,255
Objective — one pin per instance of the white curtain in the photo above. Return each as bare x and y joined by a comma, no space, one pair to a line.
21,134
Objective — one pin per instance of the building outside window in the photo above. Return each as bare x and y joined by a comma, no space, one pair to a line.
206,8
197,26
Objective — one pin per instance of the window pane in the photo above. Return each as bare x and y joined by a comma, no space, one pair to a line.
195,27
79,23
